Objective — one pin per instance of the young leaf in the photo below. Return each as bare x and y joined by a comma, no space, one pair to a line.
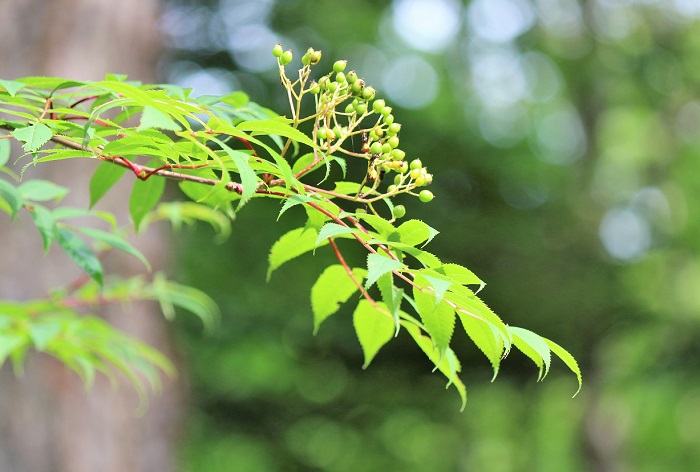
45,223
438,318
374,326
106,175
292,244
378,265
534,347
461,275
332,288
144,196
333,229
116,242
11,86
80,253
414,232
293,201
392,296
568,359
41,190
33,136
249,180
275,127
486,338
153,118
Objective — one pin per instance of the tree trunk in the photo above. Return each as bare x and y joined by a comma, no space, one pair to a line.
48,421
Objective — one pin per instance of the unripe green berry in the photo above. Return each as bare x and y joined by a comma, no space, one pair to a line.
404,167
399,211
376,148
426,196
378,105
337,131
378,132
389,119
415,173
420,180
352,77
332,86
386,148
397,179
393,142
286,57
315,57
386,111
306,59
314,88
386,156
357,86
350,109
398,154
368,93
339,66
393,128
391,189
416,164
361,107
340,78
277,51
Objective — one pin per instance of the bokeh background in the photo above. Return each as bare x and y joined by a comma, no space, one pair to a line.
564,137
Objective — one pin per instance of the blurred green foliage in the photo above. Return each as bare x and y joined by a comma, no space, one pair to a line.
565,145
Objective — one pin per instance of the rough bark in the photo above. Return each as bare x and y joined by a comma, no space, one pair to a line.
48,422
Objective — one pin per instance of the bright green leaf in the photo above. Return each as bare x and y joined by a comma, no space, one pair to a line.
438,318
153,118
378,265
45,223
41,190
330,230
144,196
116,242
414,232
568,359
534,347
275,127
374,326
11,195
332,288
249,181
486,338
42,332
4,151
292,244
33,136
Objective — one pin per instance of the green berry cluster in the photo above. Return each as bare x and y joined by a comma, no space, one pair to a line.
347,109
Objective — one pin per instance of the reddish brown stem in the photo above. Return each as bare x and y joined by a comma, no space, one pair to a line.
348,270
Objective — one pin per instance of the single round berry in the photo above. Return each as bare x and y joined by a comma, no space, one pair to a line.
314,88
306,59
393,142
399,211
337,131
286,57
378,105
350,109
386,111
386,148
415,173
397,180
352,77
420,180
340,77
332,86
339,66
277,51
378,131
389,119
368,93
426,196
416,164
357,86
376,148
393,128
391,189
404,167
316,57
361,107
398,154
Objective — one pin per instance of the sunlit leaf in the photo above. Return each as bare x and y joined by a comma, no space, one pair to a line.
330,230
4,151
534,347
144,196
41,190
568,359
81,254
153,118
374,326
438,318
33,136
378,265
292,244
333,288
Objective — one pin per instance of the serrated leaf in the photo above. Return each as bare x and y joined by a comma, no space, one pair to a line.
33,136
374,327
4,151
534,347
106,175
332,288
382,226
438,318
80,253
42,332
170,295
275,126
414,232
45,223
293,201
9,343
144,196
568,359
378,265
10,194
440,361
486,338
292,244
41,190
392,296
249,181
11,86
461,275
440,286
330,230
153,118
116,242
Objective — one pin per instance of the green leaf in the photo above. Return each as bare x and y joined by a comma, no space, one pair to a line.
144,196
11,86
293,201
5,149
568,359
43,332
414,232
486,338
382,226
80,253
106,175
438,318
116,242
392,296
41,190
45,223
534,347
332,288
11,195
249,181
153,118
33,136
461,275
277,127
442,362
292,244
170,294
440,286
330,230
9,343
374,326
378,265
